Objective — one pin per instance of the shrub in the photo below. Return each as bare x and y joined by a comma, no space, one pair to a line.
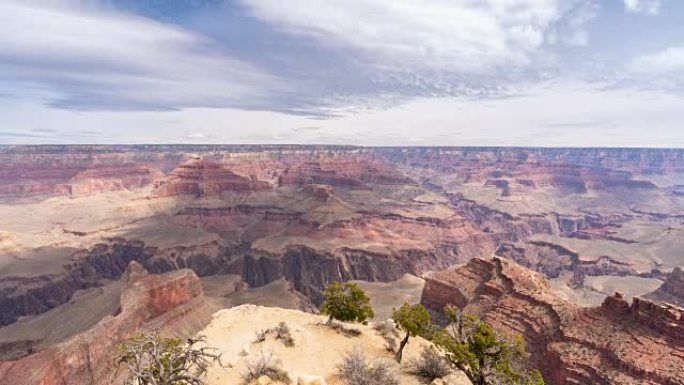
283,333
152,359
430,364
356,370
261,335
265,364
349,332
389,332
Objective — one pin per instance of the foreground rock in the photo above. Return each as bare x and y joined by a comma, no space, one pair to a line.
617,343
172,303
672,290
316,353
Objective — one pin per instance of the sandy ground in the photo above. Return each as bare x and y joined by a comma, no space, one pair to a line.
318,350
385,296
629,286
220,293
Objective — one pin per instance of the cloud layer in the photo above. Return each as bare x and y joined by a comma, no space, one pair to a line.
341,71
648,7
448,35
89,58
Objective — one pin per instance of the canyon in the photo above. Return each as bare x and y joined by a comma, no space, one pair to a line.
275,224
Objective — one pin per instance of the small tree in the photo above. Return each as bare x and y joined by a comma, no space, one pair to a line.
484,356
346,302
155,360
412,319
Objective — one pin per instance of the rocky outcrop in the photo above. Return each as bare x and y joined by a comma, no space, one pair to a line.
317,352
172,303
310,270
571,345
666,318
353,172
77,180
674,284
201,177
556,261
672,290
20,296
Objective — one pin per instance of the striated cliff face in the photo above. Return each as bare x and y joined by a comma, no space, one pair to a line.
354,172
674,285
201,177
309,270
171,302
572,345
672,290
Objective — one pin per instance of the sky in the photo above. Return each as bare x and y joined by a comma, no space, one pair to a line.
360,72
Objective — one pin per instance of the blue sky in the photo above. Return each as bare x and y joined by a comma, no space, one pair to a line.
369,72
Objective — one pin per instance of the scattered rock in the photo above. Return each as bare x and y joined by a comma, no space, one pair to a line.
244,352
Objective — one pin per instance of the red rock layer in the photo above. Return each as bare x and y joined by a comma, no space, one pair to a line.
172,303
353,172
75,181
200,177
612,344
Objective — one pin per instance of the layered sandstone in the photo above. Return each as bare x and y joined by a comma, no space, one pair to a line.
351,172
616,343
201,177
172,303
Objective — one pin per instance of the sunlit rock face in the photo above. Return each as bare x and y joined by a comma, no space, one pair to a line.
171,303
200,178
615,343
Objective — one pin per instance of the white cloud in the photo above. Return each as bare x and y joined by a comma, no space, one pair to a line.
87,57
665,61
648,7
561,113
451,35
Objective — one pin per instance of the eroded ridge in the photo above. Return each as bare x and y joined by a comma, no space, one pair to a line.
616,343
172,302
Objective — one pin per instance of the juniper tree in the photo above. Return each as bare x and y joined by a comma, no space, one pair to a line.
486,357
412,319
346,302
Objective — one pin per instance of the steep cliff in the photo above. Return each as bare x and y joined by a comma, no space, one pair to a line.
570,344
172,303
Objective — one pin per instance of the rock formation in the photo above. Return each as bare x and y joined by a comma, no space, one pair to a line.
672,290
172,303
616,343
674,285
201,177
